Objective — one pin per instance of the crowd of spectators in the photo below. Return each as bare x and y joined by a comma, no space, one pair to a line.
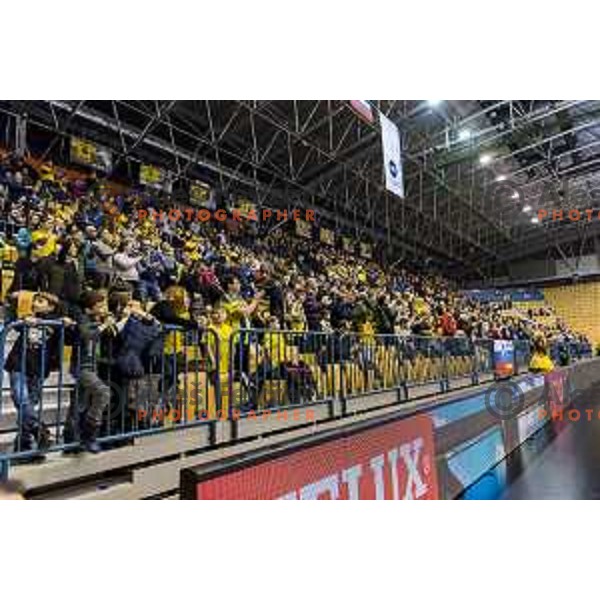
78,250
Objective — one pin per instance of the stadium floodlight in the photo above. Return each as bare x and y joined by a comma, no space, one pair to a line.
464,135
527,208
535,220
485,159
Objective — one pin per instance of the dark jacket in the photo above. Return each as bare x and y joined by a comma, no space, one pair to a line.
93,347
140,343
165,313
63,280
37,350
29,275
312,310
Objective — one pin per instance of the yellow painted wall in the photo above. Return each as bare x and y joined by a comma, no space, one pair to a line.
579,305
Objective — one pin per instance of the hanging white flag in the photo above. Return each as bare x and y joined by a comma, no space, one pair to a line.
392,160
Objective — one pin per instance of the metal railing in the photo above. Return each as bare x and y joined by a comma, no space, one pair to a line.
59,386
65,384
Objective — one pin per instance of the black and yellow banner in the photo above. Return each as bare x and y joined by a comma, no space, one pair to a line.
348,244
199,193
244,206
304,229
327,236
155,177
88,153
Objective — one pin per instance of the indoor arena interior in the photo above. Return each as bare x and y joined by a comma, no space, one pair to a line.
295,299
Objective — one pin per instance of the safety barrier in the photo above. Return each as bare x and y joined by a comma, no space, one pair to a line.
66,383
567,352
8,229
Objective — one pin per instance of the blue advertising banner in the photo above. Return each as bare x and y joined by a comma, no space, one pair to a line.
512,294
469,462
504,358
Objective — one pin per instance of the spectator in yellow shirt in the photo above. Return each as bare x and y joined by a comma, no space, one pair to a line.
540,360
219,339
274,344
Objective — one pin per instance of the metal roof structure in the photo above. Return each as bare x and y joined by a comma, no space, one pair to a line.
475,172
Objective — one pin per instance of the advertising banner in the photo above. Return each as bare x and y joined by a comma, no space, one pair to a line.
529,422
246,207
504,358
154,177
392,159
348,244
393,461
303,229
90,154
471,460
366,251
327,236
501,295
555,387
199,193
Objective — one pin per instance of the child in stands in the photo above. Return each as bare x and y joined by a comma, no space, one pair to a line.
36,352
87,407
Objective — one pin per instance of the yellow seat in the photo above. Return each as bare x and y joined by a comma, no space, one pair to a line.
333,379
195,394
66,359
319,378
308,358
273,393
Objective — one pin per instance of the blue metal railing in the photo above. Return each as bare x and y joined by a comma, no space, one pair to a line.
183,378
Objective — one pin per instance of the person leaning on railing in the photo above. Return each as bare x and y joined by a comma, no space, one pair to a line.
174,310
274,355
36,346
238,312
87,408
218,341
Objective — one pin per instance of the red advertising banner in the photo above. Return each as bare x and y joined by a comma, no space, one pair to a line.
395,461
555,386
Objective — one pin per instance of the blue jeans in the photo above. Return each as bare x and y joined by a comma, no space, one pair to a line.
148,289
26,393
